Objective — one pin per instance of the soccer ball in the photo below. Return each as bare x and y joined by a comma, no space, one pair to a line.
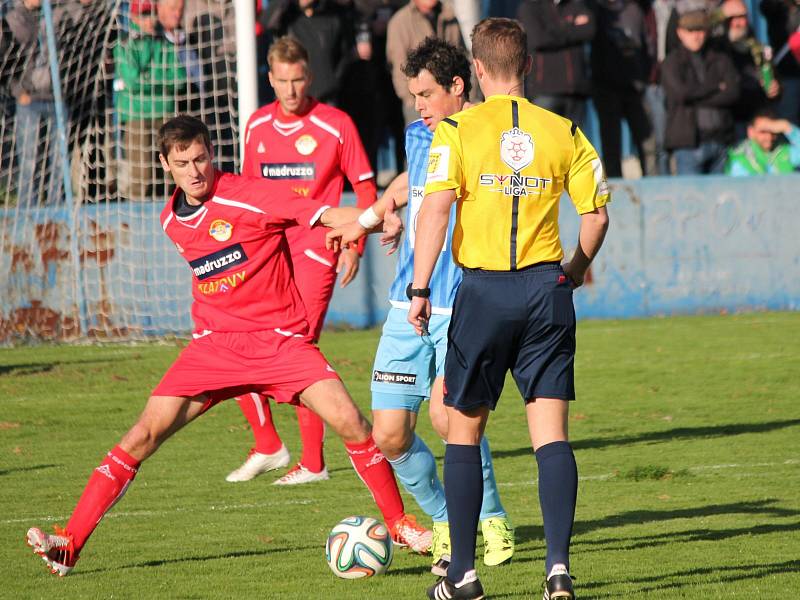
359,547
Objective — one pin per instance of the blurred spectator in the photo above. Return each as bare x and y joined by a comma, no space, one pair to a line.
657,20
151,81
364,95
762,153
211,42
757,82
40,179
621,64
783,24
325,29
468,13
557,32
701,85
383,120
716,22
408,27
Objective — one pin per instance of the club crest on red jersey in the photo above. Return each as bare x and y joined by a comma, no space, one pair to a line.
516,149
220,230
305,144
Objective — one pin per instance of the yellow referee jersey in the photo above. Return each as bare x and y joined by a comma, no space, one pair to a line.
508,162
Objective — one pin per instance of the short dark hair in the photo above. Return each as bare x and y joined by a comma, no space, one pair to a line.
764,112
443,60
179,132
501,45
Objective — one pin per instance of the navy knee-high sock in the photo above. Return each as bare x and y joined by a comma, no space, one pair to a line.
463,489
558,491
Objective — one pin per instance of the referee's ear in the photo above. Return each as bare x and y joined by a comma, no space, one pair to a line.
528,66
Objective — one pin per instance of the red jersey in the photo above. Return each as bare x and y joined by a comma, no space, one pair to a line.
308,156
236,248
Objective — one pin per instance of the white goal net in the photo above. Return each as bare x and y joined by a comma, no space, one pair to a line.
82,254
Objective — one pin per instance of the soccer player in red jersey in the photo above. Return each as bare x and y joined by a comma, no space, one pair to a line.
251,335
307,149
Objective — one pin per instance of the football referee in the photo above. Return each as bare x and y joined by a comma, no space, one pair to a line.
506,163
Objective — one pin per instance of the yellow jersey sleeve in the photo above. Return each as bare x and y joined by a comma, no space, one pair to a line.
586,181
445,162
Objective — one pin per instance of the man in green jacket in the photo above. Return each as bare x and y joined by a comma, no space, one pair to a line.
151,79
762,153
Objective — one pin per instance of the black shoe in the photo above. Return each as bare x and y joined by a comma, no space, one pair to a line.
439,568
446,590
559,587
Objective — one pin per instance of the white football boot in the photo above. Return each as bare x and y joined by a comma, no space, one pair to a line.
258,463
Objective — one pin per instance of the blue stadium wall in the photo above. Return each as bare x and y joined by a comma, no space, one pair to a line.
678,245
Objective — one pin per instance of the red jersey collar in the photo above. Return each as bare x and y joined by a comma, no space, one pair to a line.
217,176
284,118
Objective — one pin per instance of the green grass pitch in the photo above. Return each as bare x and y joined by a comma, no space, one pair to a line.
686,433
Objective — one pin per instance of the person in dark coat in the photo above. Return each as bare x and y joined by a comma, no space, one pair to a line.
701,86
557,33
325,29
622,56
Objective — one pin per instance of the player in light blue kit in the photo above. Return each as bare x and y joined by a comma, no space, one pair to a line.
409,368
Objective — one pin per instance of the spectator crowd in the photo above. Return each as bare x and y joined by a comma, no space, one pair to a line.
698,90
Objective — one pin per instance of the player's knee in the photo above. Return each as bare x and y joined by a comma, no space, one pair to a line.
142,440
350,424
392,442
439,422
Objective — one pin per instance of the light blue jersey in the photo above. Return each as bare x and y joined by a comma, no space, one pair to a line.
446,275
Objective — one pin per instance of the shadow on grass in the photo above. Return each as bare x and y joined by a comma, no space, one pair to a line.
46,367
695,578
23,469
418,570
535,533
28,369
528,533
638,517
195,559
668,435
694,535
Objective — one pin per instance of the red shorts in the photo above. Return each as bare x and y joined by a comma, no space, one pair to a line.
314,281
224,365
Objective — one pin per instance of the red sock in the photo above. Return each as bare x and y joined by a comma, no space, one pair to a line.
257,412
312,433
106,486
376,472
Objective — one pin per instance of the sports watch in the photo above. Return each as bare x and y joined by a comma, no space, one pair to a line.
418,292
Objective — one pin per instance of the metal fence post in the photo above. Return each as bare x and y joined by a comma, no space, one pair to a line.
66,171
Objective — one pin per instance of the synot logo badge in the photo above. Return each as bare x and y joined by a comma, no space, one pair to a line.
516,149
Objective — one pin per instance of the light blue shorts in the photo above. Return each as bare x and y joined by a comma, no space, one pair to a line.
406,364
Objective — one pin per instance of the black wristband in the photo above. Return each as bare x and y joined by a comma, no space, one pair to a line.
418,292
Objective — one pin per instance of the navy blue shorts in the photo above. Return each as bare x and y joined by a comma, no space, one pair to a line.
521,320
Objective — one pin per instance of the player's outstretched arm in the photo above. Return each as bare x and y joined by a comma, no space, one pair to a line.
339,215
594,226
342,235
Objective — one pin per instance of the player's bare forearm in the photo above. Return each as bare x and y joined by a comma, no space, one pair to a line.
432,221
397,190
594,226
339,216
343,234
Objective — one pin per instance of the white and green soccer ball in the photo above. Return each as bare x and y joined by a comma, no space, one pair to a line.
359,547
